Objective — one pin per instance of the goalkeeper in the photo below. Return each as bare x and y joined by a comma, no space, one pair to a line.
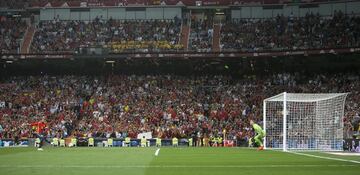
260,134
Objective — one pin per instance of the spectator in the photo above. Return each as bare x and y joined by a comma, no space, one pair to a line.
290,33
201,35
120,36
167,106
12,31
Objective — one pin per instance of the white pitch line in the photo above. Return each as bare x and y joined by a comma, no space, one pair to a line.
343,154
168,166
157,152
323,157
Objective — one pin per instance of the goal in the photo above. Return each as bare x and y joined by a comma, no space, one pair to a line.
300,121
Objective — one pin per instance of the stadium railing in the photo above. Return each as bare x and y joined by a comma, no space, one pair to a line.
100,142
350,145
185,55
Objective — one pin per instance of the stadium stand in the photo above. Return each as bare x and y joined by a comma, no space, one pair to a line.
11,32
290,33
274,34
80,76
119,36
168,106
201,35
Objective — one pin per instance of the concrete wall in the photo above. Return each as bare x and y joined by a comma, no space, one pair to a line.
286,10
107,13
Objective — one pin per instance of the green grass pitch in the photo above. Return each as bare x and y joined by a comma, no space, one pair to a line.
170,161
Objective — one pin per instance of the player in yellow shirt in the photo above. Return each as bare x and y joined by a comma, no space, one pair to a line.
260,134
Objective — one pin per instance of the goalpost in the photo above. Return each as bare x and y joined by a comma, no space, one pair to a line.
300,121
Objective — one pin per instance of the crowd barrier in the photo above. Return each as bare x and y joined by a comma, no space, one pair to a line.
102,142
348,144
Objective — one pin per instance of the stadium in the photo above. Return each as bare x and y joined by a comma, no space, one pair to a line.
179,87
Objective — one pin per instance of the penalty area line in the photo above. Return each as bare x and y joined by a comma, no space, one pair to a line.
323,157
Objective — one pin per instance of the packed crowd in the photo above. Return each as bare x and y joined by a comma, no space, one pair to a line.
67,36
201,35
15,4
291,33
12,31
280,33
168,106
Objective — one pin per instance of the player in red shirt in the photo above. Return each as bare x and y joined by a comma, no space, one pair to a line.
40,132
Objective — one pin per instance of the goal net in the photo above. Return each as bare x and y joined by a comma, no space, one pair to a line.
298,121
